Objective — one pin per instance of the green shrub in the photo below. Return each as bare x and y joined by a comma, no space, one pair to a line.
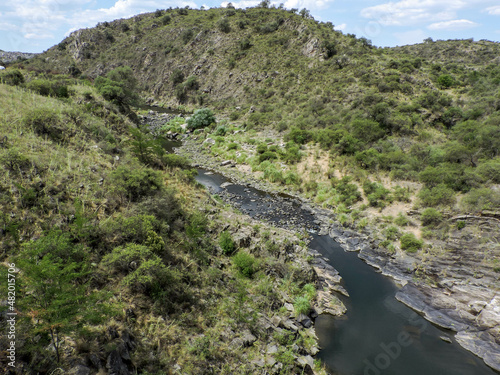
245,263
118,86
431,216
136,183
410,243
12,77
268,155
436,196
200,119
187,35
376,194
348,193
445,81
460,224
391,232
197,226
261,148
45,122
298,136
224,25
192,83
177,77
165,20
302,305
232,146
173,160
221,130
13,160
401,194
292,153
490,170
226,243
401,220
481,199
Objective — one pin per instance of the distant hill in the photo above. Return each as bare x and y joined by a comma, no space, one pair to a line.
8,57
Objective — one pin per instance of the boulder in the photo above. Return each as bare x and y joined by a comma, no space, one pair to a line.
115,364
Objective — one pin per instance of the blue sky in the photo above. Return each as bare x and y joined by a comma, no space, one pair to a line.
34,26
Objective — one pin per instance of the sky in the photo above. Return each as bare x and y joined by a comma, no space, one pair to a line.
36,25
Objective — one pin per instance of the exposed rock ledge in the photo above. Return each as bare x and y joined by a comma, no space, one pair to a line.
459,304
444,312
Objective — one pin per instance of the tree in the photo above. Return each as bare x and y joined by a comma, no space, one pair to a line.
119,86
201,118
55,276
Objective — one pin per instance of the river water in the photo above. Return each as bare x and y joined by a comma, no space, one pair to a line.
378,334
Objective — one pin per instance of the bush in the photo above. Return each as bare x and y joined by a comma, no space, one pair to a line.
136,183
232,146
299,136
177,77
391,233
435,196
481,199
192,83
245,263
224,25
376,194
13,160
12,77
445,81
401,220
302,305
410,243
268,155
119,85
48,88
226,243
221,130
292,153
44,122
165,20
431,216
201,119
348,193
261,148
186,35
176,161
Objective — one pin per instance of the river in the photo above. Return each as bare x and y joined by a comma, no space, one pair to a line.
378,334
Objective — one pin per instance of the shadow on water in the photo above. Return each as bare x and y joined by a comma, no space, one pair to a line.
378,335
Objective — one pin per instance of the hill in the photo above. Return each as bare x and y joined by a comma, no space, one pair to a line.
118,261
401,142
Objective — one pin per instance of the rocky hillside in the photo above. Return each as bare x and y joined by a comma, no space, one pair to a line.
400,142
10,57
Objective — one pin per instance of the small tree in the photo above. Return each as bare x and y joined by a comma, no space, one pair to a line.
200,119
55,278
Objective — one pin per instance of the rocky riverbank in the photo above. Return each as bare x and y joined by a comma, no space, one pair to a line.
452,284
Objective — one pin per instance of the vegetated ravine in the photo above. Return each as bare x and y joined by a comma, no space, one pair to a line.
378,335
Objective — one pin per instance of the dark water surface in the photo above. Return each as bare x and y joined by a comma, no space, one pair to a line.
378,335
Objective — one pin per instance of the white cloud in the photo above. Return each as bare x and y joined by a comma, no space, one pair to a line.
452,25
408,12
494,10
38,36
410,37
340,27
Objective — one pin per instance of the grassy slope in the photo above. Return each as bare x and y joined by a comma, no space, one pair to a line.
179,297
